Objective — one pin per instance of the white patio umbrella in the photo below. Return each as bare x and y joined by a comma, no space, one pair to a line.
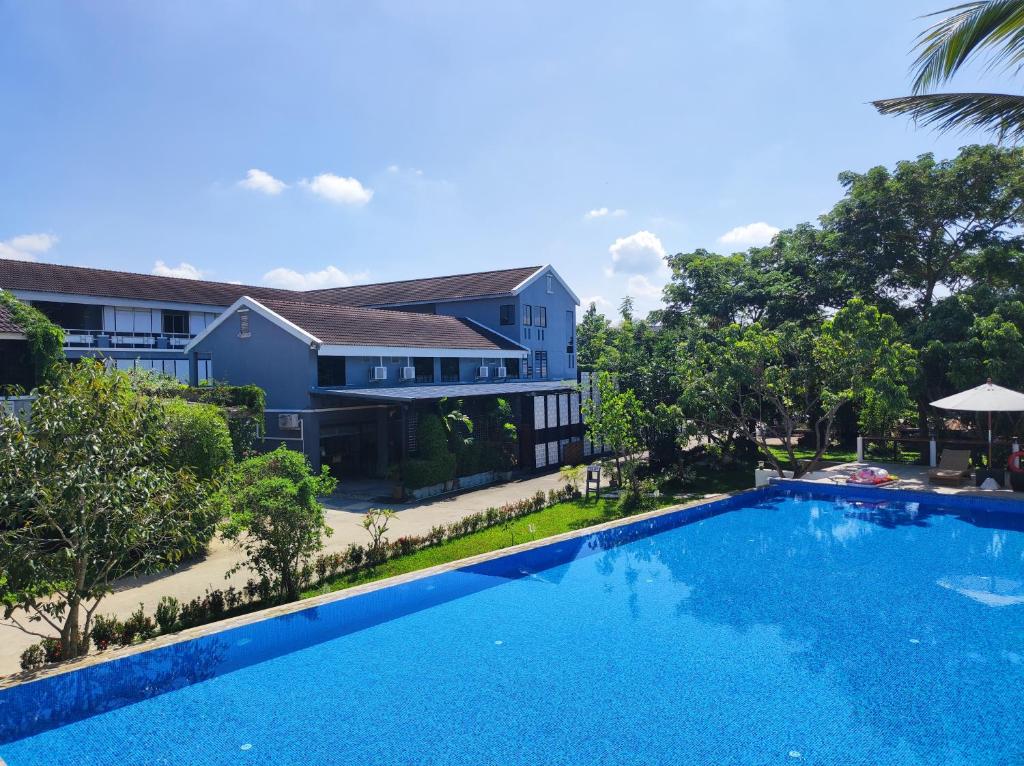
988,397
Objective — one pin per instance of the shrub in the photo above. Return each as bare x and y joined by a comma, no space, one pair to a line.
53,649
434,463
200,438
138,625
33,657
106,630
167,612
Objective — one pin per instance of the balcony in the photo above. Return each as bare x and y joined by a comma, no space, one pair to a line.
103,339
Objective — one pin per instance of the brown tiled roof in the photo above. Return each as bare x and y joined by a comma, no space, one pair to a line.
7,323
54,278
356,326
455,287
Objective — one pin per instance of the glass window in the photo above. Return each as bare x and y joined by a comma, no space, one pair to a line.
424,366
511,367
176,322
507,312
551,283
540,359
449,369
330,371
542,316
527,315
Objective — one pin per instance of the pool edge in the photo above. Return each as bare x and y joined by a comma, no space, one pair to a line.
27,677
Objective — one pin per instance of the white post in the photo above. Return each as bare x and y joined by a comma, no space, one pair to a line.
860,449
933,453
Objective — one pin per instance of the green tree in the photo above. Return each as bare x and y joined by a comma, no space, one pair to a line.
766,384
901,237
615,417
967,31
199,437
591,338
274,516
45,339
88,494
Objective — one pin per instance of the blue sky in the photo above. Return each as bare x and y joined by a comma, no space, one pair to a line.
318,143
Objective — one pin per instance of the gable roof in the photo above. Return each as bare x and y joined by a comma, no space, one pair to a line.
78,280
105,283
481,284
329,325
8,325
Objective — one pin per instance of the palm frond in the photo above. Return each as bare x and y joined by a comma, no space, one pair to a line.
969,29
998,112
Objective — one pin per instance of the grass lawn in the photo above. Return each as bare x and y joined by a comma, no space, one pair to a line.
834,454
563,517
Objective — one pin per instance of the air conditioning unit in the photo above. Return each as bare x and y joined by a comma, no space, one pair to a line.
408,373
288,421
483,372
379,373
502,372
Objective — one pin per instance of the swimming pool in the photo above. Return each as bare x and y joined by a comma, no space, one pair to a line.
778,626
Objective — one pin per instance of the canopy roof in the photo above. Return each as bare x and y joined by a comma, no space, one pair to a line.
988,397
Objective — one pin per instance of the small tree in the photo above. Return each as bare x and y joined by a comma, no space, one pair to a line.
376,522
616,418
275,518
88,495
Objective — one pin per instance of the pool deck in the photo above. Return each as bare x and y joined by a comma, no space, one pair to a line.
913,477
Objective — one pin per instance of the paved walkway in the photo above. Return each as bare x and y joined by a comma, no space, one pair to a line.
345,510
909,477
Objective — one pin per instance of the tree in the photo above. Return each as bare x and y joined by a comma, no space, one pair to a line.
898,237
766,384
591,337
88,494
200,438
988,26
616,418
274,516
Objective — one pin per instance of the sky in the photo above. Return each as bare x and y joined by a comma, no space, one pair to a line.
310,144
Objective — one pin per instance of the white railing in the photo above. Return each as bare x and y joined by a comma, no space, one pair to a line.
74,338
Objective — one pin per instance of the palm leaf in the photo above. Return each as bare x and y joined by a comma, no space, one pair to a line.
969,29
997,112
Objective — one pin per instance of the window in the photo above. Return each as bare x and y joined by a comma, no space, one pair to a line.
243,323
572,361
540,363
527,315
507,312
542,316
570,333
175,322
330,371
511,368
527,333
449,369
551,283
424,366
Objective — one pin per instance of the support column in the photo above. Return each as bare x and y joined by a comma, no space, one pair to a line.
382,441
193,369
860,449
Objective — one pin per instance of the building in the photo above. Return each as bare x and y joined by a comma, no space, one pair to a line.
15,363
348,370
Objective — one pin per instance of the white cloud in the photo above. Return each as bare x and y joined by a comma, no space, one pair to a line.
27,247
640,253
262,181
182,270
751,235
331,276
602,212
643,288
338,189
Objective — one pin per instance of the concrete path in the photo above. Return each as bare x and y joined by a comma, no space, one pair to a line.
345,511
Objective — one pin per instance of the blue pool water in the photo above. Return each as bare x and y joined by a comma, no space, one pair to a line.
775,628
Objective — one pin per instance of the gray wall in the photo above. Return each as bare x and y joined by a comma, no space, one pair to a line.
559,326
273,359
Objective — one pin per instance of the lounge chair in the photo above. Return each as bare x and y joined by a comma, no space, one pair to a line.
954,468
